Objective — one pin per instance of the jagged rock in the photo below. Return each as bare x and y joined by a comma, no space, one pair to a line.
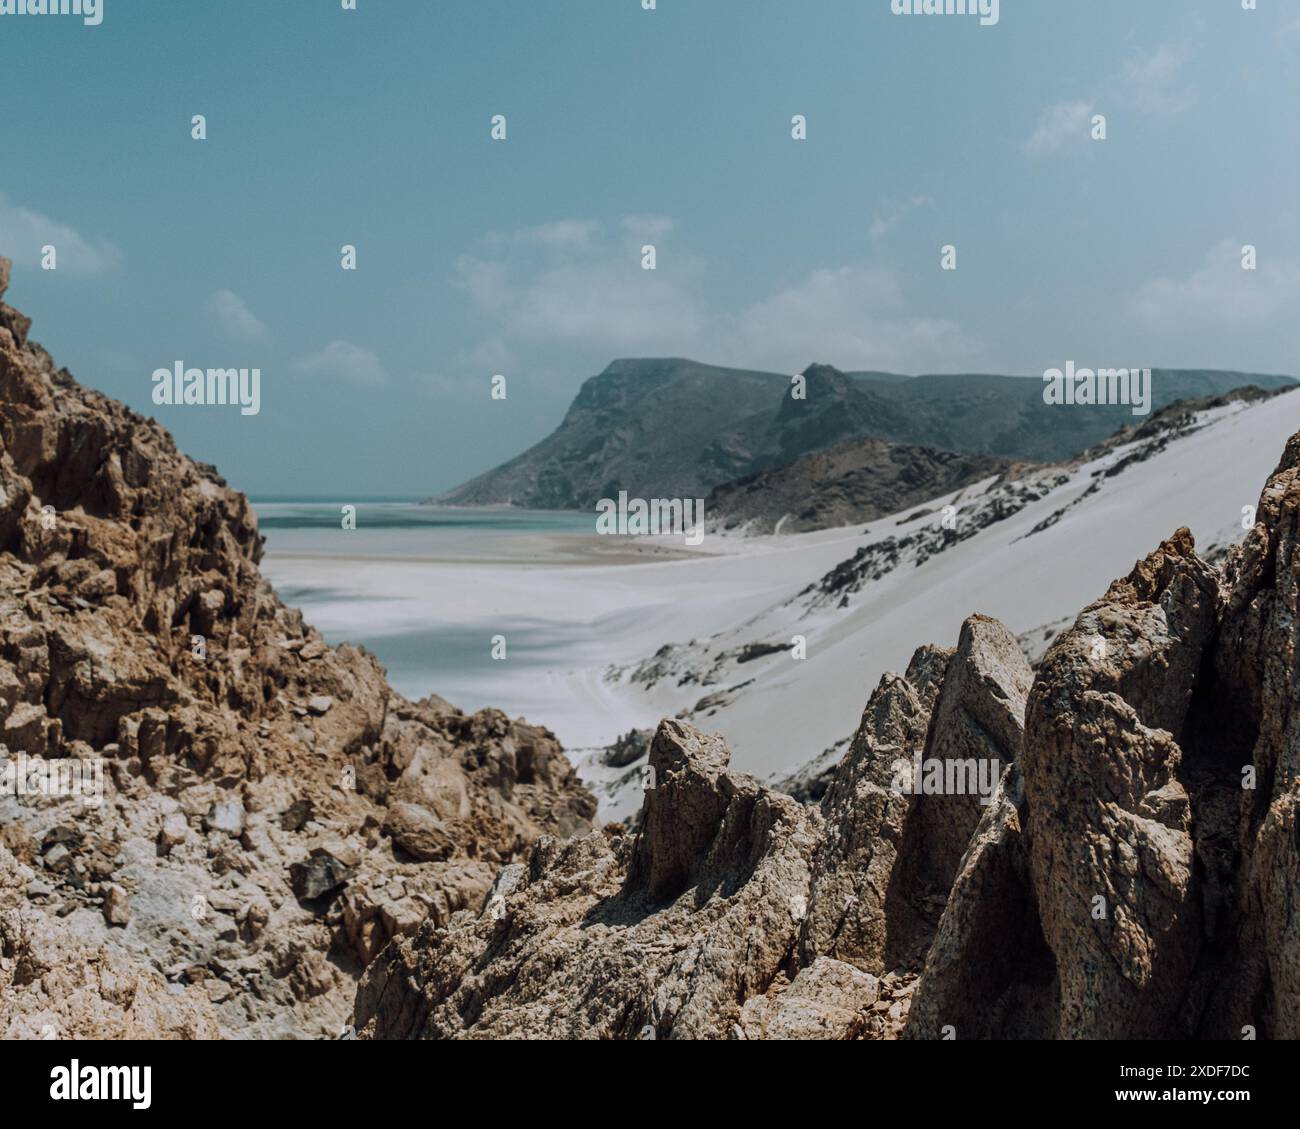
174,831
117,906
55,985
979,716
1247,731
1108,813
297,815
889,856
628,749
606,938
419,833
989,972
865,819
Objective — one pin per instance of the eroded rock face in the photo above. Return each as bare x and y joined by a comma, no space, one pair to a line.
1249,727
659,936
891,850
827,1000
1109,816
238,750
735,912
857,912
989,973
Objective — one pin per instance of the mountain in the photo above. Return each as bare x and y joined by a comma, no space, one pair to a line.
1103,848
673,428
677,429
268,812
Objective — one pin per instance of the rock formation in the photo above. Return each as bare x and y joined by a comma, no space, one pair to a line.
661,935
1130,871
272,812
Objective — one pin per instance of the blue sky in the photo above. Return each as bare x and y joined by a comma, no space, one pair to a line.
627,127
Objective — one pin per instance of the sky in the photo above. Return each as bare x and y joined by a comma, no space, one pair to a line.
625,128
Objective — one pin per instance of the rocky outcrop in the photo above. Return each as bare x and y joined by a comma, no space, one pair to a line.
1109,815
659,935
1142,885
59,986
1247,748
857,911
271,813
1107,848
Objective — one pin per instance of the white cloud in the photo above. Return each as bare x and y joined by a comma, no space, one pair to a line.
614,304
1148,83
536,289
882,225
1059,125
232,316
1153,81
23,233
558,236
343,362
648,227
854,316
1220,294
1219,316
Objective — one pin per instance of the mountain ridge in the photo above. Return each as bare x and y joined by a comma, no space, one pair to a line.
672,427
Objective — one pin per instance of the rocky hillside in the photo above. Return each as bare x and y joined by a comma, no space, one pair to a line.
273,813
1132,872
676,429
853,482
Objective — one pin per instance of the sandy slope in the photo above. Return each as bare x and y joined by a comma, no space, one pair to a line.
791,711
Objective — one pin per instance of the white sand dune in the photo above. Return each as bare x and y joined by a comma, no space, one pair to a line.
793,710
588,628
